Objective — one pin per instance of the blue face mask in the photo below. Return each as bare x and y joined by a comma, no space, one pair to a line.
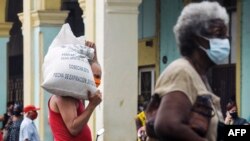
219,50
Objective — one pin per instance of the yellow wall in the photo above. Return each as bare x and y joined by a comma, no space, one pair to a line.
2,10
52,4
148,55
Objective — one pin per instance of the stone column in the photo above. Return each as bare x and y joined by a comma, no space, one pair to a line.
88,8
82,4
117,44
28,6
46,25
40,26
25,17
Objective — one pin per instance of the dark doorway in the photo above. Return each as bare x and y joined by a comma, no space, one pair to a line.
15,51
74,18
223,83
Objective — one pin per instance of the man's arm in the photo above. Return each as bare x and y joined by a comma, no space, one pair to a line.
26,132
68,109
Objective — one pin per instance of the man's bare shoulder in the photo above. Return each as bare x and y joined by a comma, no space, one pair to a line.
64,100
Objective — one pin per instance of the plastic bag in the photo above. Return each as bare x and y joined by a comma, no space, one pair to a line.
66,70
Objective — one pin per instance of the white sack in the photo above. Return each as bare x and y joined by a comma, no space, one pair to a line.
66,70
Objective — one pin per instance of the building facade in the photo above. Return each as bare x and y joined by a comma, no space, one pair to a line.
111,24
135,42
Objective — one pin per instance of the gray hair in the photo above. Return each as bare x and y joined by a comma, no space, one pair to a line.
195,16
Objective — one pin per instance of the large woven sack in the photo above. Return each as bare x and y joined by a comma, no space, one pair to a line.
66,70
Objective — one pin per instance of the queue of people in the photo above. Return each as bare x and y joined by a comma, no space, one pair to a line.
18,123
5,118
14,123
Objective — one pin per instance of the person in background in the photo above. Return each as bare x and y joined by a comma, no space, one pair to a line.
140,122
6,119
28,130
232,117
201,35
68,117
14,128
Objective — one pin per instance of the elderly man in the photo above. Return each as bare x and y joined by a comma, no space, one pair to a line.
28,130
